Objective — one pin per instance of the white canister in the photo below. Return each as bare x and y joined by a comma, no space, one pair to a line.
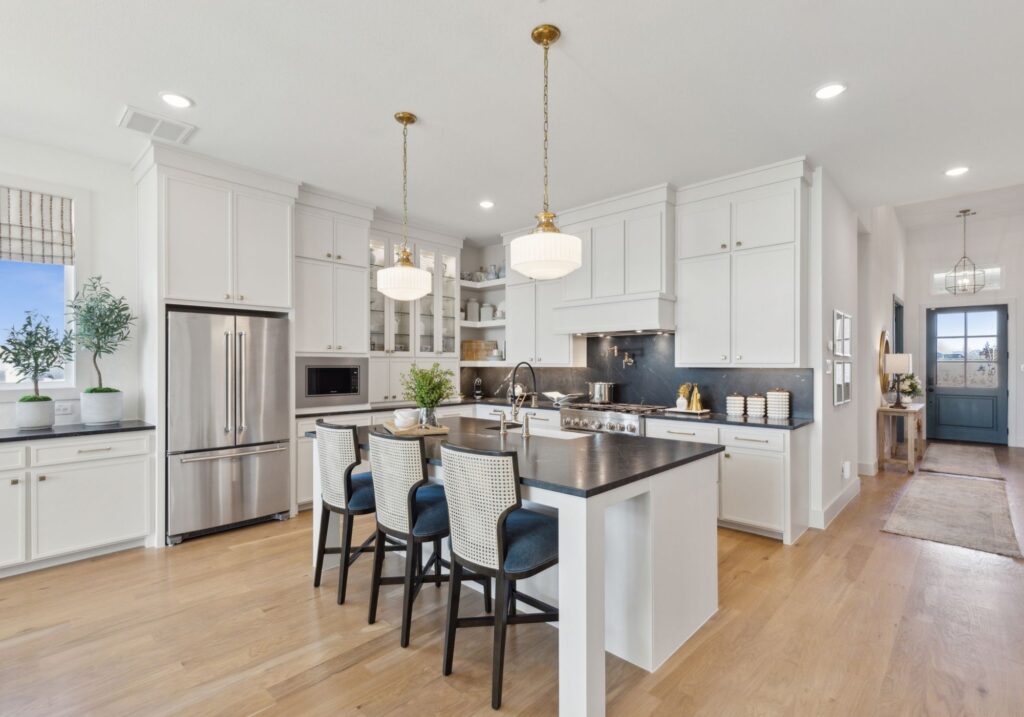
756,406
778,403
486,312
472,310
735,404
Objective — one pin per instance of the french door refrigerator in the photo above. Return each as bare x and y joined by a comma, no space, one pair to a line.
227,421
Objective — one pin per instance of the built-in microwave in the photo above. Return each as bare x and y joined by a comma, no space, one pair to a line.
328,382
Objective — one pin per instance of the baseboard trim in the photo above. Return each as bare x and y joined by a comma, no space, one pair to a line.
868,469
821,519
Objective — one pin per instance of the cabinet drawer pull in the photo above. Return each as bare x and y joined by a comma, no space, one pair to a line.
96,450
42,478
752,440
533,417
15,481
683,433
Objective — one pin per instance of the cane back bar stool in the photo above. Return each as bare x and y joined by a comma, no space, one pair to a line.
492,534
342,493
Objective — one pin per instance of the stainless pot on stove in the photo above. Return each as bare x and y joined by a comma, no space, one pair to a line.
600,391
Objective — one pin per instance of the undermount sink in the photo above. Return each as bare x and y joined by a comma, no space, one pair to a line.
542,432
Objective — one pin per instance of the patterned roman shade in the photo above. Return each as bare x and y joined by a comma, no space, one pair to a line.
36,227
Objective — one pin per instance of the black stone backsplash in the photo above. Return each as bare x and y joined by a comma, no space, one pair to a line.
653,378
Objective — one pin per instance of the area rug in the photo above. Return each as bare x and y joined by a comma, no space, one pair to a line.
961,460
969,512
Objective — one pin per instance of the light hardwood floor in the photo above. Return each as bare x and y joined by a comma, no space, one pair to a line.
851,621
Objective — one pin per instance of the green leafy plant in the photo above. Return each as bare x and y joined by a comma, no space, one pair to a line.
35,349
910,386
102,323
427,387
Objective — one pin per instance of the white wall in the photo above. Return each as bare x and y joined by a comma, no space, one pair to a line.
881,259
833,279
992,241
108,247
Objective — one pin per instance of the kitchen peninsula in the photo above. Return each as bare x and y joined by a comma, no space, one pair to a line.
637,517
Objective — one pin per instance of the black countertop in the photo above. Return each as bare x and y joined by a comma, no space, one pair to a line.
392,406
585,466
72,430
785,424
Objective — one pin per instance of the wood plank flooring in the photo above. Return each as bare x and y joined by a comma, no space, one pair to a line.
851,621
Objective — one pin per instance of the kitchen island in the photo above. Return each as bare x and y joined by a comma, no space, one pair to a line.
638,559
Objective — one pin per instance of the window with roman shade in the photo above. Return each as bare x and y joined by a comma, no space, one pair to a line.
36,227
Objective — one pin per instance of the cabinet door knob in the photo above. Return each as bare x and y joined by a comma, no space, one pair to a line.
338,257
328,255
328,347
739,357
725,246
227,296
15,481
42,478
724,357
241,297
337,347
726,455
739,243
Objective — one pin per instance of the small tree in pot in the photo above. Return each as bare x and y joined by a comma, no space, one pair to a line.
35,349
103,322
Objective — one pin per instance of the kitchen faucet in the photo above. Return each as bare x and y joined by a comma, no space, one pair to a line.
518,401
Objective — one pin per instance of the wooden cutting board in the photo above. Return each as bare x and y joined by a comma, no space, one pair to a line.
416,430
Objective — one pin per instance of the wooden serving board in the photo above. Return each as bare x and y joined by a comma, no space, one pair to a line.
416,430
701,412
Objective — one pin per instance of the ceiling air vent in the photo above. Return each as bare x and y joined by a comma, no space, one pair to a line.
155,126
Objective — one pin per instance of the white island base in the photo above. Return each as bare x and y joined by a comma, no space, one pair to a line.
637,573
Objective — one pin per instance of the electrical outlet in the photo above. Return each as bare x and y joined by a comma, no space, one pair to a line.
63,408
847,470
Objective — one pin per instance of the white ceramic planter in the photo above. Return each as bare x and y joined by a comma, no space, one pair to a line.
102,407
34,414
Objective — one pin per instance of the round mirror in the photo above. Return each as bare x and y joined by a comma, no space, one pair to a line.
883,348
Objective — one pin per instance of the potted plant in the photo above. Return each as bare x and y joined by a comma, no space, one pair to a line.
34,350
102,323
910,386
427,387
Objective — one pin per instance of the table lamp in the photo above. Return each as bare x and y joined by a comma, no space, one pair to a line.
899,365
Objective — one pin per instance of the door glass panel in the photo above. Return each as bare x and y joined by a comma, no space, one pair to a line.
950,375
949,349
982,374
403,316
425,330
950,324
378,256
449,289
982,323
981,348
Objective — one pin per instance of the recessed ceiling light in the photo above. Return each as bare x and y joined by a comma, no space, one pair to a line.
956,171
829,91
486,203
178,102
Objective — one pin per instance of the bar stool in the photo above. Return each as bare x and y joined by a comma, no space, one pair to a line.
342,493
492,534
410,509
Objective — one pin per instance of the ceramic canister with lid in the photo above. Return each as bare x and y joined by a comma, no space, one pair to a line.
756,406
472,310
735,404
778,401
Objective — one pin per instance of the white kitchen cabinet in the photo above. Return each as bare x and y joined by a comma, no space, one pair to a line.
609,259
578,285
531,331
226,243
13,510
703,299
521,322
646,253
685,431
386,378
552,348
765,216
331,312
436,319
329,236
351,316
304,451
398,368
704,228
751,489
764,310
78,506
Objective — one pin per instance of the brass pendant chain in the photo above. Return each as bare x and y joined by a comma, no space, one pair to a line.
405,186
546,45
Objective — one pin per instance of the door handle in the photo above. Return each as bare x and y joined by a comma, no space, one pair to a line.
682,433
231,455
227,382
96,450
241,381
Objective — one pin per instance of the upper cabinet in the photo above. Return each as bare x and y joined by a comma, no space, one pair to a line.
740,242
322,235
530,331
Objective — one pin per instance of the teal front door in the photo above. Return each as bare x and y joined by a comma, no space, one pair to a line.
967,374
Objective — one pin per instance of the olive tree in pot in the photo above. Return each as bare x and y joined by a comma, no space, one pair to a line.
35,349
102,323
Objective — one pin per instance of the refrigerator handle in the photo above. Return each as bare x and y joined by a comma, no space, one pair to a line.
227,382
241,382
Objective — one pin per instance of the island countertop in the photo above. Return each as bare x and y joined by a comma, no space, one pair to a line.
586,465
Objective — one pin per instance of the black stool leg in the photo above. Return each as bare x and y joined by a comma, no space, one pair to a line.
378,566
488,607
454,586
500,621
511,597
321,546
346,547
437,565
412,554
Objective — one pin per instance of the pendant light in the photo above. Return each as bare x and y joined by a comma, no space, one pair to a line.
965,277
404,281
546,253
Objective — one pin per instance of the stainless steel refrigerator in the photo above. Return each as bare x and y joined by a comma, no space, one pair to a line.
227,421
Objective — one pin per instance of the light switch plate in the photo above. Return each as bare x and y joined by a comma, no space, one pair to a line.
63,408
828,367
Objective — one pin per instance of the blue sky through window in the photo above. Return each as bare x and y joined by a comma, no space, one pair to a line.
30,287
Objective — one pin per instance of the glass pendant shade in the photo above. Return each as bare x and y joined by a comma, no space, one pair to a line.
403,281
546,253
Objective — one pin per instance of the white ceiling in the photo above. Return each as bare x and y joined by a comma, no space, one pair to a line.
992,204
642,92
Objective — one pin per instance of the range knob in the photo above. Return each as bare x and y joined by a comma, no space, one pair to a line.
631,428
598,425
619,427
566,421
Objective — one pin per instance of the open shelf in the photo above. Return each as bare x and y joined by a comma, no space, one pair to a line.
491,284
496,323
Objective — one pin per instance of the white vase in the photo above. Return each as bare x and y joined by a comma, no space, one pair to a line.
31,415
102,407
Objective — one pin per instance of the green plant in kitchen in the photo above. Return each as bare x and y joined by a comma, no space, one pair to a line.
103,322
34,350
427,387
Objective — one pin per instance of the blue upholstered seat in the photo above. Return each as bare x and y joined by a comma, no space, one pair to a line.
531,540
431,511
362,492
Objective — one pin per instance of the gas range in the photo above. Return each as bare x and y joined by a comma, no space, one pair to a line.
624,418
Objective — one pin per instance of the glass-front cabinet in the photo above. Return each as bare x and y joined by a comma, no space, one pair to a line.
426,327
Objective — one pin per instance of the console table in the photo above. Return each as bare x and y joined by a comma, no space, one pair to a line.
914,415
